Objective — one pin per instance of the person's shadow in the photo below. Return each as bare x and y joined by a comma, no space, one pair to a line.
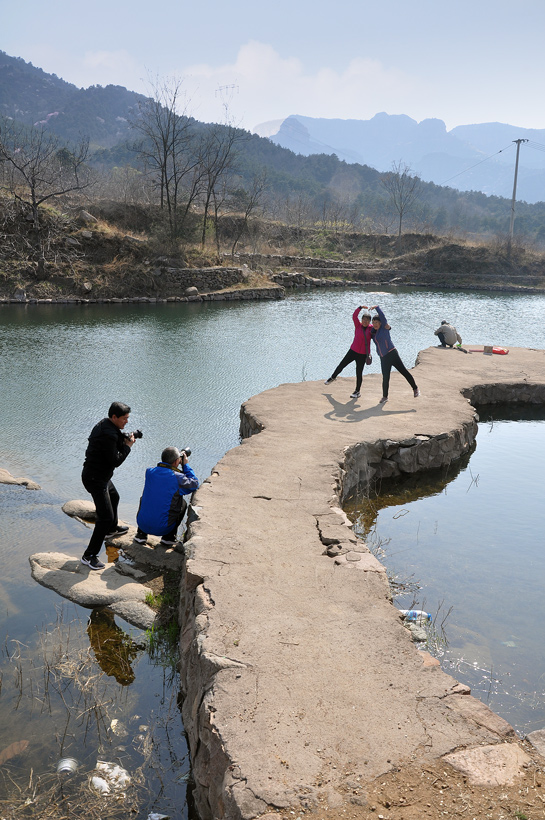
349,413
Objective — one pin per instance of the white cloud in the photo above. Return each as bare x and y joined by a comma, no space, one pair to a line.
116,67
262,85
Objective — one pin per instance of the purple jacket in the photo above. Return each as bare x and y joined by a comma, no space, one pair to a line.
381,337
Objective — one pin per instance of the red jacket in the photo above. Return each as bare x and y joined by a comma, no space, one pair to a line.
362,335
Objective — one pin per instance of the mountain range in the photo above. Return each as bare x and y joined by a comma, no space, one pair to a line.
477,157
317,170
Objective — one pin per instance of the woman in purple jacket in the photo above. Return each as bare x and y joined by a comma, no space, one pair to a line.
359,352
389,357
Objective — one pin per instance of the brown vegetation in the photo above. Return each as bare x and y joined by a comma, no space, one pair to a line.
117,252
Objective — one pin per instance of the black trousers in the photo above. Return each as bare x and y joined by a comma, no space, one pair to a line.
393,359
106,500
352,356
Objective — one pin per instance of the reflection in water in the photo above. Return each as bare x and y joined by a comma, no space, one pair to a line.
114,649
80,704
405,489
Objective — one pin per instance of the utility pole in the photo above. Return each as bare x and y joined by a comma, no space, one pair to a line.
512,221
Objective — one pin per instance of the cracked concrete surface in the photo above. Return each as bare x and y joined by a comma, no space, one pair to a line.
295,664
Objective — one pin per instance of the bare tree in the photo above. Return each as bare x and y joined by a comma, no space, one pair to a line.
403,188
246,200
171,151
218,155
39,166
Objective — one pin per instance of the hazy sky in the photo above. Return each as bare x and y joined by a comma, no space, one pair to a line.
464,61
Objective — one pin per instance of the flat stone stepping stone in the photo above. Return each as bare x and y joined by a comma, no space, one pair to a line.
93,588
82,510
150,555
8,478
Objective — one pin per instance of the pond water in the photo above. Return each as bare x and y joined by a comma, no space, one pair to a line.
185,369
466,541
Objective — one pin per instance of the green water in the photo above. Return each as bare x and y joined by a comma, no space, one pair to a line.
185,370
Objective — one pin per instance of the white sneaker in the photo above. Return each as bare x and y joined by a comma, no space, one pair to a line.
383,400
416,392
328,381
355,395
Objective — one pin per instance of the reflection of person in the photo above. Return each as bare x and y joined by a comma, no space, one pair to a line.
113,648
108,448
359,352
448,335
162,505
389,357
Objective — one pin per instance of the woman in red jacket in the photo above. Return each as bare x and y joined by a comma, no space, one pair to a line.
359,352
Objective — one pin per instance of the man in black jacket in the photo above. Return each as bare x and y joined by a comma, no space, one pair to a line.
108,448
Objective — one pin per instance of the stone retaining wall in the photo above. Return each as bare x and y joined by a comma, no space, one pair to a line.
221,296
335,278
284,261
205,279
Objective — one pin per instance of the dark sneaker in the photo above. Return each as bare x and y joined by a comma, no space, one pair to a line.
416,392
355,395
119,531
92,562
383,400
328,381
167,542
140,537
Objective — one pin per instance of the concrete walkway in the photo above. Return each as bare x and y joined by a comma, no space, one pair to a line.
296,666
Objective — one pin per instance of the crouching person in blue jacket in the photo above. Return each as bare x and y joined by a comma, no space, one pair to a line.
162,506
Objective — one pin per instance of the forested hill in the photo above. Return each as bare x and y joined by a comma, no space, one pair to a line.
29,94
300,189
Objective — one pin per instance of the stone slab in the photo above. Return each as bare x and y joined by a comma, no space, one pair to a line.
537,740
150,555
82,510
497,765
93,588
7,478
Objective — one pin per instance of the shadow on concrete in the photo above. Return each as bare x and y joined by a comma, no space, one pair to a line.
348,412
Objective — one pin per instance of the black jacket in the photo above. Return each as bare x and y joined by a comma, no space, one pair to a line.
106,451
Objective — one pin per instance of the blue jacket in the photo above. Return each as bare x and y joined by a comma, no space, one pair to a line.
381,337
162,500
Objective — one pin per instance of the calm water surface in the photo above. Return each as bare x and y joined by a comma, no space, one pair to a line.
185,370
471,538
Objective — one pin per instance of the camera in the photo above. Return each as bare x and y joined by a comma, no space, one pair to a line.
185,450
135,433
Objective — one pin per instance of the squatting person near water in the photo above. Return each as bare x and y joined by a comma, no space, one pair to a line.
389,357
447,334
360,350
108,448
162,505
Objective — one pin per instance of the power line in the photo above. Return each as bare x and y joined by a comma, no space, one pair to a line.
477,163
536,145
